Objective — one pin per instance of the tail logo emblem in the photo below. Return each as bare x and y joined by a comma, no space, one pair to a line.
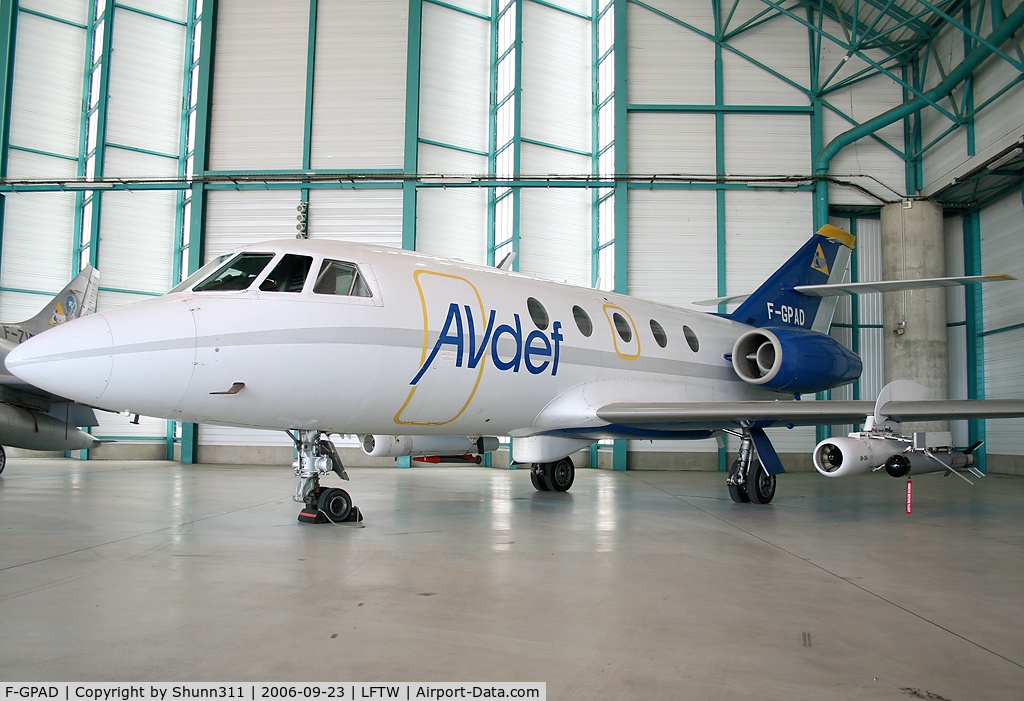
819,263
64,312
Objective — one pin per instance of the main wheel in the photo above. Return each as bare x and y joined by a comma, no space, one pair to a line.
3,459
336,504
738,492
760,485
559,475
537,477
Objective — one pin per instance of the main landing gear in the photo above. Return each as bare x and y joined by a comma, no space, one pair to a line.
318,456
553,476
748,481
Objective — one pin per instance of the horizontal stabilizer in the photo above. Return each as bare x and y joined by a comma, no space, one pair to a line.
854,288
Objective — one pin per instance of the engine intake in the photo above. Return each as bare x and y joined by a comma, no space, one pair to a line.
793,360
399,446
840,457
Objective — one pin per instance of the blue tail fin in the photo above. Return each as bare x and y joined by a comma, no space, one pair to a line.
822,259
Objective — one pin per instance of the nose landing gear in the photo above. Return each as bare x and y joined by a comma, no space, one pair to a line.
318,456
748,480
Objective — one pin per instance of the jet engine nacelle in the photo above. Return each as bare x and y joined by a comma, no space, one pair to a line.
839,457
399,446
793,360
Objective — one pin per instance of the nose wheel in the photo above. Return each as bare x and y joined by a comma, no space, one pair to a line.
316,457
748,481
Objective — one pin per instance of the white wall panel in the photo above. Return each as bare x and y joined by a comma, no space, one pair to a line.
440,160
1002,250
236,218
73,10
452,222
49,65
767,144
866,156
173,9
118,426
763,229
481,7
362,216
1004,116
359,85
673,256
123,163
869,268
136,249
146,78
454,87
554,235
28,165
872,353
556,89
671,143
259,85
669,64
37,250
229,435
780,45
696,14
541,160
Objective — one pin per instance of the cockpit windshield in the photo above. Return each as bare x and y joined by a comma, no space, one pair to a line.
200,274
238,274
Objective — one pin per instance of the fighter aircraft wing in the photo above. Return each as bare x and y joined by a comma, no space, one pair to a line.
800,413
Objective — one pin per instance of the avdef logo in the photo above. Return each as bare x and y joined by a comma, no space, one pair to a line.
537,352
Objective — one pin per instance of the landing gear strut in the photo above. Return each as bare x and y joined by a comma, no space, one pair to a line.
748,480
553,476
318,456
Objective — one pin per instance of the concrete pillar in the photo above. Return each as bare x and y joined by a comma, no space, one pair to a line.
915,341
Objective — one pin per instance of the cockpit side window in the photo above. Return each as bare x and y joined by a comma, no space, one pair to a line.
338,278
200,274
289,275
238,274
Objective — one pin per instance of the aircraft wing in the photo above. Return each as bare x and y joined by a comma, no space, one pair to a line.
852,288
798,413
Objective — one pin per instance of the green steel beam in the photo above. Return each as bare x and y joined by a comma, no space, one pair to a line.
725,109
559,8
154,15
621,207
201,160
974,314
517,133
8,41
307,121
460,10
412,122
44,15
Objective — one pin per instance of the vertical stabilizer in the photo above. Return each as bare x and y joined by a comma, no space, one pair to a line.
75,300
823,259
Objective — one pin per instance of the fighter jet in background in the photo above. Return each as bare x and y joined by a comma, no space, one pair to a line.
426,356
33,418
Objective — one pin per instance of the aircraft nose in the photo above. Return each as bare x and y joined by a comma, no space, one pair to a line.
73,360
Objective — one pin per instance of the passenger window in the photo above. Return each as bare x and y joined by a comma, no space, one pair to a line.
622,326
289,275
337,278
538,313
659,333
583,322
236,275
691,339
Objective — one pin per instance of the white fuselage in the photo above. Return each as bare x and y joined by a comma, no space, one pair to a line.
402,361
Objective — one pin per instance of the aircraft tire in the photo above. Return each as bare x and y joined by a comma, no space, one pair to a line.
559,475
335,504
738,492
3,459
760,485
537,478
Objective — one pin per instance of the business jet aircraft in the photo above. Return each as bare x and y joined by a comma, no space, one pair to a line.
33,418
427,356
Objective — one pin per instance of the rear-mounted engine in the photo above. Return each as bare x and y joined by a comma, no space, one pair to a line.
790,360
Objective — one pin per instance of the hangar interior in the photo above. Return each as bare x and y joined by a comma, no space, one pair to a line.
668,149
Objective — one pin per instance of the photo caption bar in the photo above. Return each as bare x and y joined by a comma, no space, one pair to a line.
249,691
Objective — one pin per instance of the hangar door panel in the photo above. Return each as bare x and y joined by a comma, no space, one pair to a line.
1002,251
554,235
259,85
359,85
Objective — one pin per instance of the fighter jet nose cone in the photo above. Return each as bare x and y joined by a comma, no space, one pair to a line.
73,360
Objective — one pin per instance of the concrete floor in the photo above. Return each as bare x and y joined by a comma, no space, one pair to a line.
638,585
